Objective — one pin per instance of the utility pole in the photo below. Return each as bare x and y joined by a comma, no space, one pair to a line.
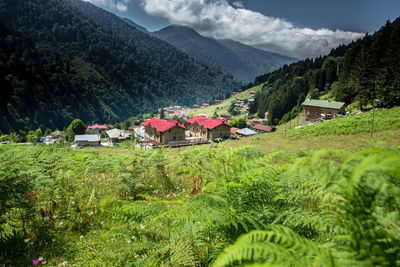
373,115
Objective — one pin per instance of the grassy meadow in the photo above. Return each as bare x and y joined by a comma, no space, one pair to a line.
323,195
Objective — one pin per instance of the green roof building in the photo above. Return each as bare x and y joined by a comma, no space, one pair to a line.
320,110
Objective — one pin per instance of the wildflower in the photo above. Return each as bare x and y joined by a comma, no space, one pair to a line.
54,217
141,226
46,218
40,258
81,237
133,237
60,224
90,213
73,202
27,240
129,241
102,222
54,240
184,190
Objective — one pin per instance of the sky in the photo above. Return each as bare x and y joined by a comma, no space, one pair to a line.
296,28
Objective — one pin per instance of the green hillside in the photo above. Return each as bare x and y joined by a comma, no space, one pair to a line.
223,107
277,194
360,72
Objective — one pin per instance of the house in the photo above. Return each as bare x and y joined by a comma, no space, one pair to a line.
97,128
87,139
245,132
317,110
209,129
196,106
205,105
260,128
163,131
116,136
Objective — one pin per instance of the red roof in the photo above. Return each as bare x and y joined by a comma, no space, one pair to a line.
212,123
199,119
208,123
162,125
261,127
97,126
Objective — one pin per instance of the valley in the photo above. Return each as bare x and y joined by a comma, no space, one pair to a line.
185,145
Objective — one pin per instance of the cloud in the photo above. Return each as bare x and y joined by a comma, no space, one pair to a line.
120,5
221,19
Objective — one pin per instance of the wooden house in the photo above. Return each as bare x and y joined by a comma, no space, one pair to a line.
317,110
209,129
116,136
163,131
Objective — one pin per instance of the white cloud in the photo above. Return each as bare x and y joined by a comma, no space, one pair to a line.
120,5
222,20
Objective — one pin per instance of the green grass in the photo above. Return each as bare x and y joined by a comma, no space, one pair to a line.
123,206
385,119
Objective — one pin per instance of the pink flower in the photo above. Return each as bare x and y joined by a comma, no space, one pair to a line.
36,262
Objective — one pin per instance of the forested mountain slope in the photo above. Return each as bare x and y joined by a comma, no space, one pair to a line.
241,61
360,72
62,59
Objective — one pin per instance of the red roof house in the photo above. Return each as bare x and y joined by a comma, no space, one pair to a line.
164,131
209,129
97,127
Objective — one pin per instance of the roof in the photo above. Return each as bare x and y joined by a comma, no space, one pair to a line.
97,126
212,123
87,137
116,133
133,127
163,125
198,119
234,130
323,103
246,132
208,123
262,127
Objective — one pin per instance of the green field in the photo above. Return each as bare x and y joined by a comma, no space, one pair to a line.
304,197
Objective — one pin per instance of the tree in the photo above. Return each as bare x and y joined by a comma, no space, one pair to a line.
77,127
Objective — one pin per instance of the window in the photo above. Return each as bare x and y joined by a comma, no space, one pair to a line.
308,113
316,114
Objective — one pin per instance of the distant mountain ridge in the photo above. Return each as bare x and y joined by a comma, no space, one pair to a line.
241,61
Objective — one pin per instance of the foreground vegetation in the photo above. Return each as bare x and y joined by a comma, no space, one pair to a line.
222,205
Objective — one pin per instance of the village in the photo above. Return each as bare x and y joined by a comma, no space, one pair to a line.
190,130
177,126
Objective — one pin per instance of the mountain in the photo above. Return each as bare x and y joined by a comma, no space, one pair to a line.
241,61
63,59
137,26
363,72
